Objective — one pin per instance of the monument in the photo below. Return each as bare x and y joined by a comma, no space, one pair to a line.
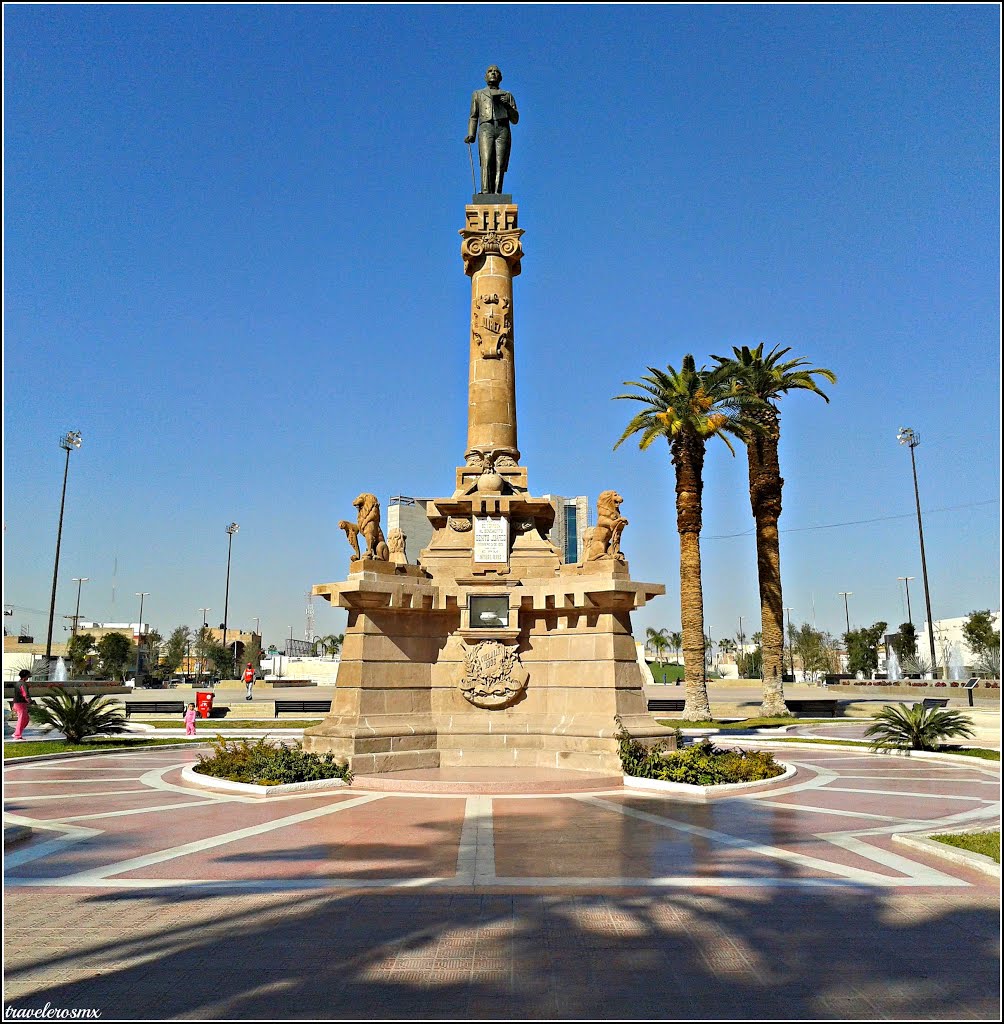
491,651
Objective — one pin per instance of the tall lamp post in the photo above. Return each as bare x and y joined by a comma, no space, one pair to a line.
72,439
847,615
139,629
791,651
906,580
231,530
76,616
202,646
911,439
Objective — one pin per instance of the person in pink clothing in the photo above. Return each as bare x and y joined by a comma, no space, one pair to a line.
21,702
190,720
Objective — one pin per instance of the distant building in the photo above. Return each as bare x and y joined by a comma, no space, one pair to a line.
949,642
570,522
408,515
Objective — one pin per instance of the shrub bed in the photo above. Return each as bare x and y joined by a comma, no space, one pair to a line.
260,763
701,764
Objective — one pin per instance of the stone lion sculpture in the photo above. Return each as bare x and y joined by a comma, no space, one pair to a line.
369,527
604,539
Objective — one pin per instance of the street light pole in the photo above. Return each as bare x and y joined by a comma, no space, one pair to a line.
139,629
76,617
71,440
911,439
202,645
791,652
847,615
231,530
906,580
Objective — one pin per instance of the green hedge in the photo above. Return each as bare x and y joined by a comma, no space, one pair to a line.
701,764
260,763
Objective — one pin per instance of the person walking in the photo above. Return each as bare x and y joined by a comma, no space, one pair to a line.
190,714
249,676
21,702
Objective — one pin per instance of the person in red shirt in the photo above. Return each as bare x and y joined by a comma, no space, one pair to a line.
21,703
249,675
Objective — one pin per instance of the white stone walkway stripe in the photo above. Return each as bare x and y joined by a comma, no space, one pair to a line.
71,834
915,778
818,779
201,845
137,810
154,778
900,793
34,798
68,782
836,811
860,875
920,873
58,766
476,855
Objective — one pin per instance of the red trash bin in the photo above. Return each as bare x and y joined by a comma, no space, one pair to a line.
204,703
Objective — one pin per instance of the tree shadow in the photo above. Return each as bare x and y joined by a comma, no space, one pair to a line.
745,954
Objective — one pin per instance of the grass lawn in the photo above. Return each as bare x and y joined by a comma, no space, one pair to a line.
666,673
987,843
26,748
980,752
233,723
745,723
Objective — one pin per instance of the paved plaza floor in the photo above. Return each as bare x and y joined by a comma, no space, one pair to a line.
146,898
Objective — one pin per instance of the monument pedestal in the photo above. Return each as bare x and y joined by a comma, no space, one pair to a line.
491,652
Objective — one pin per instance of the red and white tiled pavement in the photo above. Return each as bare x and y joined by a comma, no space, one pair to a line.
128,821
143,898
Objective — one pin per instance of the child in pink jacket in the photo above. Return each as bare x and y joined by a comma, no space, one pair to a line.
190,720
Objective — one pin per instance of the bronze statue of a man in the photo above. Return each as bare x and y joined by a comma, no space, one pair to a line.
495,110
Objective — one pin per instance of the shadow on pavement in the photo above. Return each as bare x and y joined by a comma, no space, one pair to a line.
741,954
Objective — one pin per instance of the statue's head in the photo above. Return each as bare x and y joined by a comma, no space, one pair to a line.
493,76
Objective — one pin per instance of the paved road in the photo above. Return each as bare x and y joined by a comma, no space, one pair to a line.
148,899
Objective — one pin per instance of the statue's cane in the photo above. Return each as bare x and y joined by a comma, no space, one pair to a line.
470,155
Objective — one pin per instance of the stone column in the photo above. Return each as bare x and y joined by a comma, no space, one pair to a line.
492,252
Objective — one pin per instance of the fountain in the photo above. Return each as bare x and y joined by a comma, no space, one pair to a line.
892,669
59,673
956,670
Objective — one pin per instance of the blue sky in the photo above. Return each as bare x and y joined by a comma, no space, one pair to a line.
232,262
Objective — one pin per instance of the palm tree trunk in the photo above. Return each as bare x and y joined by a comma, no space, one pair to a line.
688,460
765,499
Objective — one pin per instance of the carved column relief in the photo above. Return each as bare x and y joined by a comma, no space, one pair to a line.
492,251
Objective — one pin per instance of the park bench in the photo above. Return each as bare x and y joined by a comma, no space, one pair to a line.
812,707
935,702
302,707
665,704
155,707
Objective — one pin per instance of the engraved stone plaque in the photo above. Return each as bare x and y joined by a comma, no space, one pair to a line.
491,539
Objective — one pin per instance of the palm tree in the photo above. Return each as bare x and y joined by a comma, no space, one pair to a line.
759,381
657,641
332,643
77,716
916,728
726,646
685,407
676,642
